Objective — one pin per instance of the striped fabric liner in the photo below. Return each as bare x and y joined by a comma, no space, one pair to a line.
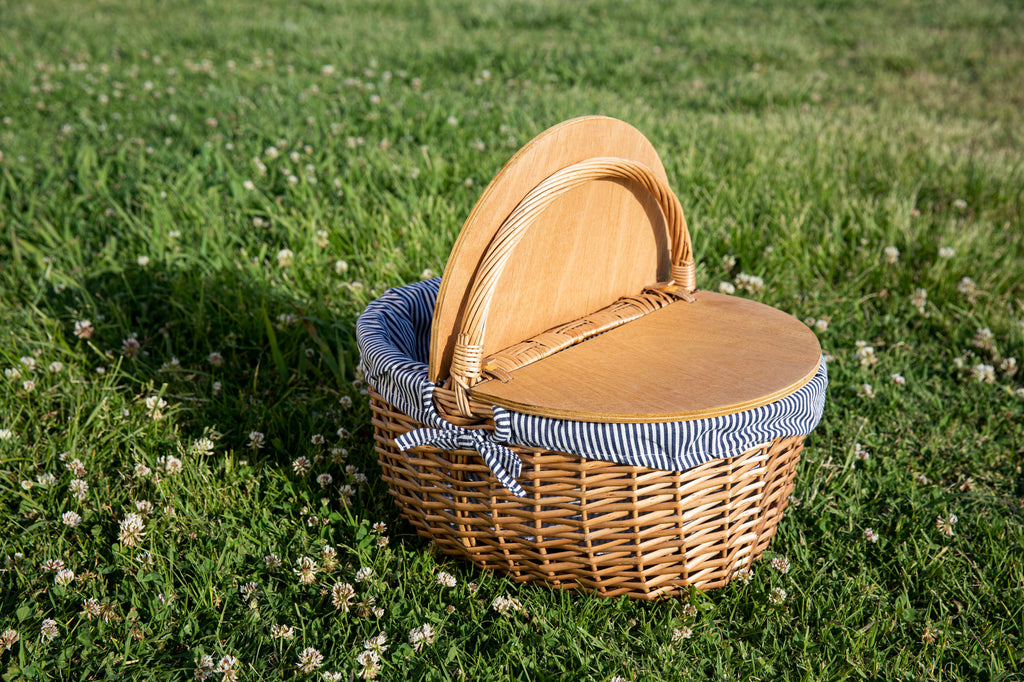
393,334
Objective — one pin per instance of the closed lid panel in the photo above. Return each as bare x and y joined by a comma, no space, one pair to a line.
717,355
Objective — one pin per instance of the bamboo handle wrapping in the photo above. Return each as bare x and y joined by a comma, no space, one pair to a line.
467,360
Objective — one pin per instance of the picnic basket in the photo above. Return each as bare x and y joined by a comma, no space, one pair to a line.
566,405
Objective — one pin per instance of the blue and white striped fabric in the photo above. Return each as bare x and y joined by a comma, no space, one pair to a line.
393,335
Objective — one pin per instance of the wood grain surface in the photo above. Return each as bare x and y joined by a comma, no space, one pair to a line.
718,355
595,244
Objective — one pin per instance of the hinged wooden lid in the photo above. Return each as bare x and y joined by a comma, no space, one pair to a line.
552,288
583,252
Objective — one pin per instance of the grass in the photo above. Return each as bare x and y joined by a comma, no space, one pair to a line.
158,158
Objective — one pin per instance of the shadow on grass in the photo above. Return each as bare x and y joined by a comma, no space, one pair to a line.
238,355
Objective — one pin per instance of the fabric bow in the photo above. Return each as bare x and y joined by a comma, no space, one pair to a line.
503,462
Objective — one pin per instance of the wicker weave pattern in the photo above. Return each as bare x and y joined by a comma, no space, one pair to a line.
608,528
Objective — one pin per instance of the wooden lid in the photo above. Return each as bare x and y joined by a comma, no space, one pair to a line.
717,355
595,244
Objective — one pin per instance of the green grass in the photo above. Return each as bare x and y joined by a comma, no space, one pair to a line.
802,139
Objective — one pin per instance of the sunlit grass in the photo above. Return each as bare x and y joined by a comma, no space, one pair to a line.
219,190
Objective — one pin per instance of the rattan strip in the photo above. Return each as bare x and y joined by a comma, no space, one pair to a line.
609,528
515,226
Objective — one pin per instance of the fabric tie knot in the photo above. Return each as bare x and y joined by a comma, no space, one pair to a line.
502,461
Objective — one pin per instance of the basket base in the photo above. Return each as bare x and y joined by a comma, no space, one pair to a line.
608,528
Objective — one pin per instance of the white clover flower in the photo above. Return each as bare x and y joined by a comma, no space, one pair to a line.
340,267
321,240
984,373
282,631
777,596
945,524
56,367
860,453
142,261
84,329
870,535
377,644
865,353
892,254
370,661
256,440
285,256
172,465
132,530
422,636
920,299
215,359
78,489
301,465
899,379
960,205
342,595
48,630
204,667
47,479
29,362
968,288
1008,366
679,634
946,252
306,571
203,446
749,283
506,605
250,591
12,373
324,480
445,579
71,519
363,574
130,347
272,562
726,288
9,638
155,405
983,338
141,471
65,576
226,667
781,564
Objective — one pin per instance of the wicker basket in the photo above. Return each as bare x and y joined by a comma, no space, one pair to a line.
608,527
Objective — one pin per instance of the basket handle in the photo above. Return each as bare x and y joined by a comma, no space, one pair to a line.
467,358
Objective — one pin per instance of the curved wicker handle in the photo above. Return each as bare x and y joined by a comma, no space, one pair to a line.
468,352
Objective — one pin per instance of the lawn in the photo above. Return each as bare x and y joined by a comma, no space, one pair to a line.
197,199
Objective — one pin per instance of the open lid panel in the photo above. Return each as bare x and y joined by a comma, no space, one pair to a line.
582,253
569,242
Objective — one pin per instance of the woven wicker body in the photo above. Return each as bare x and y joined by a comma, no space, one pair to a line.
604,527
